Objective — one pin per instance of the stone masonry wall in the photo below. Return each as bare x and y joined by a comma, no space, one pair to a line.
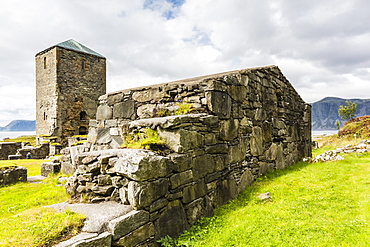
12,175
8,148
241,125
262,98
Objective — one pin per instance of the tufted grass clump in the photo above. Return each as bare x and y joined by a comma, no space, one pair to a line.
145,138
180,109
319,204
183,108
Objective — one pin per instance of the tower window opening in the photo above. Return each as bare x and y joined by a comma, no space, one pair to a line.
82,131
83,64
83,115
45,116
44,62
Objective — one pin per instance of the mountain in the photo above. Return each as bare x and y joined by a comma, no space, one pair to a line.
325,112
20,125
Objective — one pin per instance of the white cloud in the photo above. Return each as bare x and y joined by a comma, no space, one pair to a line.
321,46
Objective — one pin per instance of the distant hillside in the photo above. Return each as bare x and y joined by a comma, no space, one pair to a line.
20,125
325,111
358,126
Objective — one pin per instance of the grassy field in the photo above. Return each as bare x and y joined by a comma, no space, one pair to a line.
33,166
320,204
23,219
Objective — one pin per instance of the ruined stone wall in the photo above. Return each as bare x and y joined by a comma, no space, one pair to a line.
39,152
8,148
240,125
68,87
12,175
261,98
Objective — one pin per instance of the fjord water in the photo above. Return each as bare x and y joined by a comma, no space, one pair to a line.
14,134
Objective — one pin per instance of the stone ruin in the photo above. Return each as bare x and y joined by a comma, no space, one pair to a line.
18,150
233,128
12,175
334,155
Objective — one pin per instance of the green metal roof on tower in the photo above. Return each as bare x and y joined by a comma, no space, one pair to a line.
74,45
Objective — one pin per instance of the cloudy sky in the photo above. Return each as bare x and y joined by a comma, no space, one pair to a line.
322,47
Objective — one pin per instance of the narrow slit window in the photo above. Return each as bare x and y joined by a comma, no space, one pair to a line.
83,64
44,62
82,131
45,117
83,115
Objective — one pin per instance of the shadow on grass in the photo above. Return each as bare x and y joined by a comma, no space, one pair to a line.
246,197
249,195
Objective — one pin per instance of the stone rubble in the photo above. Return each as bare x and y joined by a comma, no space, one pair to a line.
333,155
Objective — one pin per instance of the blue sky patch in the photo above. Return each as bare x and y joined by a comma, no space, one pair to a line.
168,13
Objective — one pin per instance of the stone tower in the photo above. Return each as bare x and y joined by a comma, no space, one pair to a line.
69,80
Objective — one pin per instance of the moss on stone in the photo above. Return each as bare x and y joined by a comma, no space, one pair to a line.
146,138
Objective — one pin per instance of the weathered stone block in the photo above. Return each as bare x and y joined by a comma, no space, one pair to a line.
125,110
181,140
88,240
181,162
245,180
210,139
143,194
229,129
237,92
123,195
103,136
85,160
87,177
104,112
146,111
195,191
172,221
12,174
104,179
203,165
181,178
102,240
280,160
219,103
119,181
49,168
159,204
103,190
267,131
127,223
225,191
271,153
141,165
256,141
138,236
238,152
201,207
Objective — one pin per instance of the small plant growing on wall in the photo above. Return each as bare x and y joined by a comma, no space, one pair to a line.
145,138
184,108
180,109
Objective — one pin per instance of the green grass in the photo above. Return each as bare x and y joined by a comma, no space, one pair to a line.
25,222
319,204
23,219
33,166
145,139
30,139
